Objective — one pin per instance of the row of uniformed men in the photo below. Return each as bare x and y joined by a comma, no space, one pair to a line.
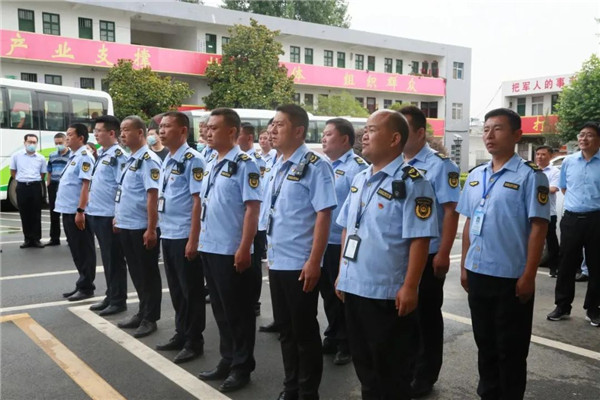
381,230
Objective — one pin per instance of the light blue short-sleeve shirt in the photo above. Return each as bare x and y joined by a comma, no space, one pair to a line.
444,176
29,167
105,180
181,177
388,223
519,194
227,185
77,170
581,179
295,211
140,174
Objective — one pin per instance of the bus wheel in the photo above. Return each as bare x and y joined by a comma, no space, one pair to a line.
11,193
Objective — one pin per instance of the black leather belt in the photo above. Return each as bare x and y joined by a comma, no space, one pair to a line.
29,183
582,215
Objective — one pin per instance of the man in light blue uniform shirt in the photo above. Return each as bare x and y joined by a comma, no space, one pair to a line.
301,197
71,200
28,169
231,195
101,212
580,225
507,208
443,174
136,215
338,140
388,218
179,209
57,161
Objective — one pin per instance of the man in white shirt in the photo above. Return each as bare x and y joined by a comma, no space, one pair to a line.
543,155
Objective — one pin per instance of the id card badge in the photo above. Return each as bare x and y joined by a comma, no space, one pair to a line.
118,195
161,204
203,212
477,221
351,248
269,224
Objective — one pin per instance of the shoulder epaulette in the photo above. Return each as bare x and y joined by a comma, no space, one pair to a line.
477,166
312,157
412,173
533,166
84,153
257,156
442,156
359,160
118,152
146,156
243,157
188,156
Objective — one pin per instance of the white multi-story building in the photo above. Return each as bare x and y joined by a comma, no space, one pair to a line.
75,42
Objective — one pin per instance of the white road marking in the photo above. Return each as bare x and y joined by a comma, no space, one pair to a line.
167,368
42,240
99,269
19,220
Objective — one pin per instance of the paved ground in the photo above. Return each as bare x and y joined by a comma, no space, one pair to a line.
53,349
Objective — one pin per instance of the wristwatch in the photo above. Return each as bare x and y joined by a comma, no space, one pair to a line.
80,210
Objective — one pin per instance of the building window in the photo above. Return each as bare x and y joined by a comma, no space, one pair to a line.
328,58
211,43
107,31
87,83
341,59
371,63
398,66
458,70
435,69
387,103
51,24
430,109
457,110
104,85
308,100
521,106
537,105
29,77
224,41
85,28
294,54
360,61
53,79
425,68
360,101
296,98
26,20
414,67
308,56
554,102
387,65
371,104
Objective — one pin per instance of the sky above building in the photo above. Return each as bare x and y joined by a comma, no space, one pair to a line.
510,40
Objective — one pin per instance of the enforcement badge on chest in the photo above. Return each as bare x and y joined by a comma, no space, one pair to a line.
542,194
154,174
453,179
511,185
423,207
253,179
85,167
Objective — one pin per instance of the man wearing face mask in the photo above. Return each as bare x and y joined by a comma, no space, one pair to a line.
28,169
156,145
57,161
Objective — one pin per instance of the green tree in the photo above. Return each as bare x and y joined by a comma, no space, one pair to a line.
249,75
326,12
143,92
580,101
342,104
428,128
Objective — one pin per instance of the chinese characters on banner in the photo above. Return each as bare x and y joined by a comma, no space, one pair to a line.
542,84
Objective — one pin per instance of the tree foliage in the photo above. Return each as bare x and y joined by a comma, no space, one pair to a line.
579,102
326,12
339,105
428,127
249,75
143,92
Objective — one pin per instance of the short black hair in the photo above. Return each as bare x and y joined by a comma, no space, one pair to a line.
59,135
30,134
110,122
230,117
417,117
513,118
248,128
398,123
138,123
344,127
181,118
544,147
593,125
296,114
82,131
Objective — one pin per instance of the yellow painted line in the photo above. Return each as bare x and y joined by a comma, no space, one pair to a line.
80,372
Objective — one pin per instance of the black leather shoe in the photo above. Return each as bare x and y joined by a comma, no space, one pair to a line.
175,343
269,328
557,314
37,244
69,294
288,396
100,306
236,380
420,389
581,277
110,310
25,245
146,328
329,346
342,358
220,372
186,355
52,243
131,323
79,295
